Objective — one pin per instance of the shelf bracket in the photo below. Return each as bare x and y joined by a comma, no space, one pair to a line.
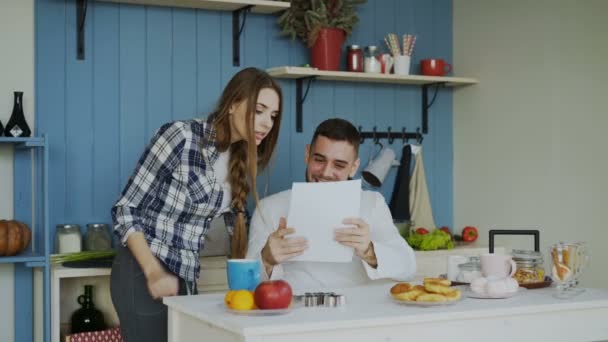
426,105
300,100
237,29
81,16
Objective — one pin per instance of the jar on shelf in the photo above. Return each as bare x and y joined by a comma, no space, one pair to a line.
371,64
470,270
97,237
68,238
354,59
529,266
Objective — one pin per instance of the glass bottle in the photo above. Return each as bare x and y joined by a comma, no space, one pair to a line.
97,237
354,59
87,318
16,125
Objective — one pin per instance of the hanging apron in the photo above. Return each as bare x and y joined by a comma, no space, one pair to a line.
420,204
400,199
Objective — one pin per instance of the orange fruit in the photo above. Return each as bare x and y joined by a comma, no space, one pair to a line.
228,297
242,300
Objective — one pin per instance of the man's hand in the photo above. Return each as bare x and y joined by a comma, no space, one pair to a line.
279,249
357,238
162,283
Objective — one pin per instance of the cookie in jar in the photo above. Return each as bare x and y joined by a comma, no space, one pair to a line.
529,266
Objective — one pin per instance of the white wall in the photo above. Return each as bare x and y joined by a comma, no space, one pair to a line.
529,149
16,73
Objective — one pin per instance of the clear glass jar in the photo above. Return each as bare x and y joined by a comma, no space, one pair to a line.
470,270
68,238
97,237
529,266
371,63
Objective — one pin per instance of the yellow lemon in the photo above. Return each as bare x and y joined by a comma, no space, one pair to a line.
228,297
242,300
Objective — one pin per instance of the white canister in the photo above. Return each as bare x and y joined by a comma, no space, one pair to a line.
68,238
402,65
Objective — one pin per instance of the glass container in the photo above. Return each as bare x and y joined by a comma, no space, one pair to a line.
354,59
470,270
529,266
97,237
68,238
371,64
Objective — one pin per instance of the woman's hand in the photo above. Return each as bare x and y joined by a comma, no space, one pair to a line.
162,284
279,249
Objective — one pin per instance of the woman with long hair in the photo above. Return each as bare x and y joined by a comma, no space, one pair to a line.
191,172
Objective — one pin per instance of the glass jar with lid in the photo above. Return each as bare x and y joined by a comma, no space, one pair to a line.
97,237
68,238
470,270
354,59
529,266
371,63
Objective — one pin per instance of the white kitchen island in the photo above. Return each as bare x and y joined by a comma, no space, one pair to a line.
371,315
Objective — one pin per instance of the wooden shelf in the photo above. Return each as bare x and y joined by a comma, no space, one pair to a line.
29,142
25,257
346,76
301,73
259,6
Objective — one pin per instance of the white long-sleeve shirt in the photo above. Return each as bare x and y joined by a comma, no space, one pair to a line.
396,259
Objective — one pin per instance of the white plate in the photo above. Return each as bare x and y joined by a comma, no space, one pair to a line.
257,312
472,294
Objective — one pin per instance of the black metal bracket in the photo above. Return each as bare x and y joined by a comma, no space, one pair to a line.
237,29
300,100
426,105
391,136
81,16
532,232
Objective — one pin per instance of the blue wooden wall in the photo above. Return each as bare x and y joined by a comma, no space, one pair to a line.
148,65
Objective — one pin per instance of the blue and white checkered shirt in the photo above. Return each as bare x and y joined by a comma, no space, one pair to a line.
172,195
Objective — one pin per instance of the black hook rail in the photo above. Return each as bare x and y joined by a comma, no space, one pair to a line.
391,136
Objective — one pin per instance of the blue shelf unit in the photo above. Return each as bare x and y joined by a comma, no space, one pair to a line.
30,201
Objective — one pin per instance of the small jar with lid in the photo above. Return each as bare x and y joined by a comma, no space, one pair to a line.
354,59
371,64
470,270
529,266
68,238
97,237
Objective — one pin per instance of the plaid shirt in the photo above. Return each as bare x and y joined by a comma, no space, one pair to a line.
172,196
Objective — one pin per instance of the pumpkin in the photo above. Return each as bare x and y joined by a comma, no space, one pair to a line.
15,236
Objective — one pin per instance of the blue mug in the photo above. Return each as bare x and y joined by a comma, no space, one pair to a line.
243,274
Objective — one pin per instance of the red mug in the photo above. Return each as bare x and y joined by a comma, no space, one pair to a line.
435,67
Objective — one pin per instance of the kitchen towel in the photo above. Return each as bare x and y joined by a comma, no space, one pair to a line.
420,204
400,199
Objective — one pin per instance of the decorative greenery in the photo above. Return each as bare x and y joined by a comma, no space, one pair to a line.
305,18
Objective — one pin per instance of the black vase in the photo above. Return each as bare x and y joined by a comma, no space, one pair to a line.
17,126
87,318
1,129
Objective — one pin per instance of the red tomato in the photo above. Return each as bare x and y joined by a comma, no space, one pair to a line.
469,234
422,231
446,229
273,294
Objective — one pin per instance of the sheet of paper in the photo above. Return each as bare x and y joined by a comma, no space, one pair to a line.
316,209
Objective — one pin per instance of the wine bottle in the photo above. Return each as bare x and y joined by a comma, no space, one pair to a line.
87,318
17,126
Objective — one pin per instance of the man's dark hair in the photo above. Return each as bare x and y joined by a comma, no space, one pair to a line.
339,130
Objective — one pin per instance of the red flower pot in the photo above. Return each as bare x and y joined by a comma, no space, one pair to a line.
326,52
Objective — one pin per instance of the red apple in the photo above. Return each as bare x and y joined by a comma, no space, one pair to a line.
273,294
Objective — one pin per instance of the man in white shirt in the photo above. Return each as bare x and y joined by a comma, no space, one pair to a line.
380,252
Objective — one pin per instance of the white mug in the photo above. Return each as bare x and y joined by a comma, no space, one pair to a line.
402,65
497,265
378,168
